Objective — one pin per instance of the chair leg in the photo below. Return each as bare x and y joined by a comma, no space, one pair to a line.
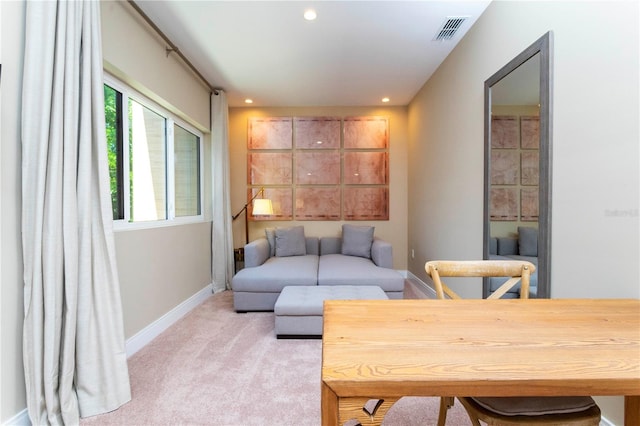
446,402
472,416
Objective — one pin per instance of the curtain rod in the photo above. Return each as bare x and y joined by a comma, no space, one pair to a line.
172,47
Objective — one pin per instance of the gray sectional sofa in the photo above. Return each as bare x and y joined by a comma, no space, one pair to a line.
522,247
271,264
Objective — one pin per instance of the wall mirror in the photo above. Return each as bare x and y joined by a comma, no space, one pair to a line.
517,168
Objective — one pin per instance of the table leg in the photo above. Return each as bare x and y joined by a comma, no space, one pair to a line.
329,406
632,410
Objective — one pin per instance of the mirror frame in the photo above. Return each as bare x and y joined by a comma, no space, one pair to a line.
543,46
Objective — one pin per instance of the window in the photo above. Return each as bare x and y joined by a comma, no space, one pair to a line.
147,164
186,154
155,171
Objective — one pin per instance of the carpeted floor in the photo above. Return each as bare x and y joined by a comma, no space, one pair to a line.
217,367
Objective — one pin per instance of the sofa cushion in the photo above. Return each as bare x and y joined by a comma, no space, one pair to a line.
493,245
527,241
277,273
313,245
356,240
270,233
382,253
256,252
507,246
330,245
536,406
338,269
290,241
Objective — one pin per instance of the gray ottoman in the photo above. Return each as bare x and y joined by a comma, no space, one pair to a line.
298,310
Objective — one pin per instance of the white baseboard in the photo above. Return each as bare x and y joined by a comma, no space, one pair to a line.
20,419
153,330
422,286
605,422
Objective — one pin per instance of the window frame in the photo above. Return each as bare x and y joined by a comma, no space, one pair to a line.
171,120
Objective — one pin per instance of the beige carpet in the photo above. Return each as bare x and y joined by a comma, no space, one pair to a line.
216,367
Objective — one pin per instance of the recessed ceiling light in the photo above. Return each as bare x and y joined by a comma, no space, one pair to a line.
385,99
310,14
248,101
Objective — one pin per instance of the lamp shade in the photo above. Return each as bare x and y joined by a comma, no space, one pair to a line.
262,207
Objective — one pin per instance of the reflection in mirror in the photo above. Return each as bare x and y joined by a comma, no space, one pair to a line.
517,203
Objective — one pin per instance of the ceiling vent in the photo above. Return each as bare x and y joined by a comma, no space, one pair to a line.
450,27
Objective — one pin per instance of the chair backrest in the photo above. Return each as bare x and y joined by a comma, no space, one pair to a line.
517,270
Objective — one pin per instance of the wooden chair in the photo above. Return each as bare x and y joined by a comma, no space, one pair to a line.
575,411
517,270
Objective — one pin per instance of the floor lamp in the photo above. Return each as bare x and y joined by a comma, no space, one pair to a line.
261,207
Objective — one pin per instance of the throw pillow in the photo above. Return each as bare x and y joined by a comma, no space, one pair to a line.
527,241
357,240
271,237
507,246
290,241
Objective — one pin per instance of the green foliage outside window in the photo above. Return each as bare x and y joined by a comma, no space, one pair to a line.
111,121
112,106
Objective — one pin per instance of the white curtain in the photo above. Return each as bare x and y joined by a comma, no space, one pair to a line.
221,237
73,342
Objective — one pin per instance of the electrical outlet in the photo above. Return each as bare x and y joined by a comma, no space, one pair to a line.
413,254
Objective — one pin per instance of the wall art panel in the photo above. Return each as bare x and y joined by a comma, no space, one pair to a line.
317,132
317,168
281,200
530,132
270,133
530,162
317,203
366,203
368,168
504,131
366,132
504,204
504,167
270,168
529,204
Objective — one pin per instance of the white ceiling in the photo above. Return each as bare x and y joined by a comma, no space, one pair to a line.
354,53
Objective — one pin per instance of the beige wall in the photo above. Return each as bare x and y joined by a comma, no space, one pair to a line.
394,230
595,184
159,269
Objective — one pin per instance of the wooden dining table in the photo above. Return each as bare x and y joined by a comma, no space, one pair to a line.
376,351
